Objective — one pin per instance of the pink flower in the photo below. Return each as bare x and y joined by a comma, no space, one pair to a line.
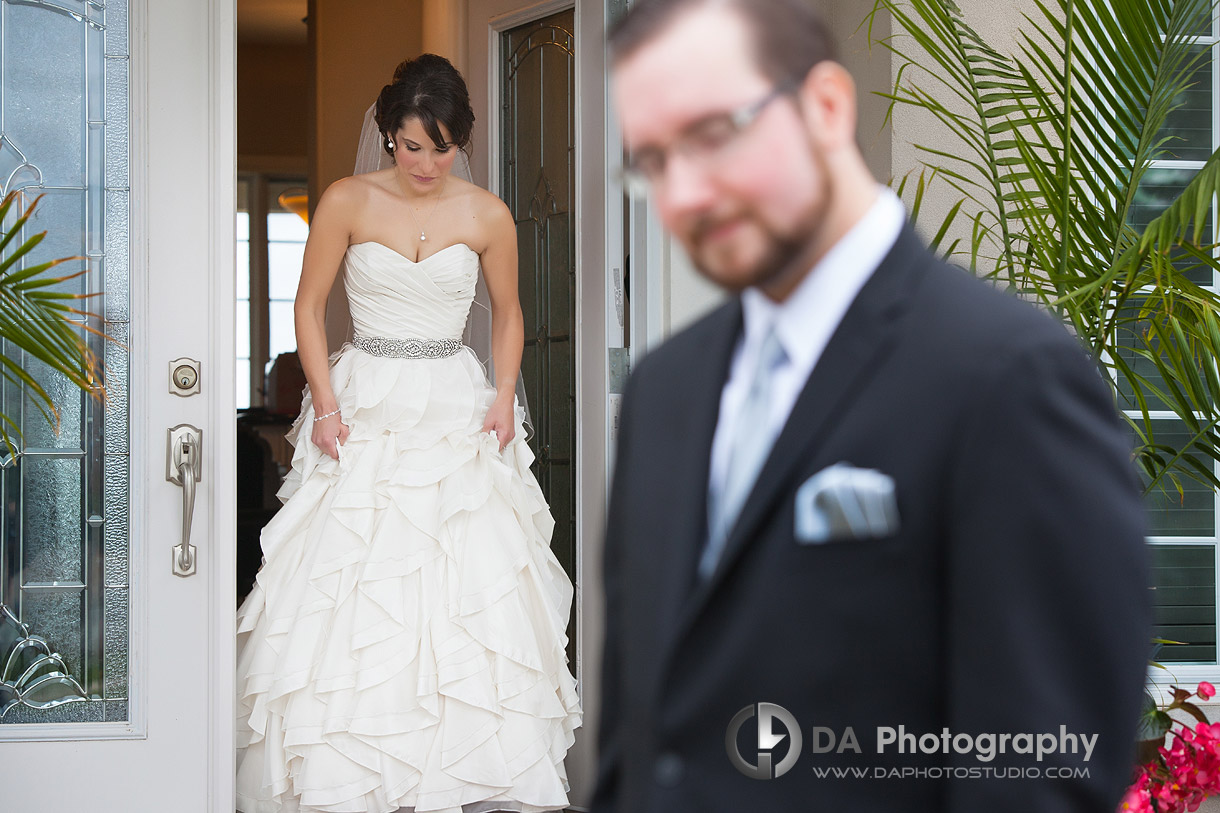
1186,770
1136,800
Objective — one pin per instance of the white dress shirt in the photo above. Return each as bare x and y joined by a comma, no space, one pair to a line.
805,321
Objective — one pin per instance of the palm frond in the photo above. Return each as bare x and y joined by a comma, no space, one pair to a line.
38,319
1056,140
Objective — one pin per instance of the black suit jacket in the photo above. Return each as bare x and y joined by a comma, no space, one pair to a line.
1013,597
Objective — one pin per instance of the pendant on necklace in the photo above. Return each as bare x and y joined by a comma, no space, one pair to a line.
423,234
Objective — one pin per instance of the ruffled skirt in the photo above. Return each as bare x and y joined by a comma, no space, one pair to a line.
404,644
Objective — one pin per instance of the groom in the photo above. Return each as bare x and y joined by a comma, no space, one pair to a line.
874,540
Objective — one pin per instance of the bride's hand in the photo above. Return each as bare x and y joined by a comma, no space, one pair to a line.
500,418
329,434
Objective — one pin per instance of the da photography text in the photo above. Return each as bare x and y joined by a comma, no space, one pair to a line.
779,733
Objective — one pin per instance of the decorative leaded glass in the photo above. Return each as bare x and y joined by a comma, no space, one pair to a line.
64,621
538,93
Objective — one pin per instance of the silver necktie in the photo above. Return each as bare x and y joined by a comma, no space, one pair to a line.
749,446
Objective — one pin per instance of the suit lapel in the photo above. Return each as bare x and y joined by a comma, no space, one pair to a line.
690,457
854,352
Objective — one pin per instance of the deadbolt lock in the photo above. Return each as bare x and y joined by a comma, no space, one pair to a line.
184,377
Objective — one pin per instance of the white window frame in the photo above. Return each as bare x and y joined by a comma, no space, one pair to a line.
1187,673
259,205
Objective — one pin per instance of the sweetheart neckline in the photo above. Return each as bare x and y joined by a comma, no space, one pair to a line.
402,256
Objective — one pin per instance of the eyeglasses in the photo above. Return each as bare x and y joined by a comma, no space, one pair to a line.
704,142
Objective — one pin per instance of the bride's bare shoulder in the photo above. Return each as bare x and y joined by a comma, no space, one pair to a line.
360,187
479,212
348,200
482,205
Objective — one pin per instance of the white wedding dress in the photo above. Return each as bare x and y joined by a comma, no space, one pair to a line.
404,645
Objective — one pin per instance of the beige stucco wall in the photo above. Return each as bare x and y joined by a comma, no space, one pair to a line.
997,24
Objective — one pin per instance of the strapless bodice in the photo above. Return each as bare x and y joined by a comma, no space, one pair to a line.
392,296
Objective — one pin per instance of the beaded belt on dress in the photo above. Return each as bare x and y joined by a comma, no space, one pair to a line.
407,348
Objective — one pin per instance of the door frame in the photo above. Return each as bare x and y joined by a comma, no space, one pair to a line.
483,67
222,405
486,20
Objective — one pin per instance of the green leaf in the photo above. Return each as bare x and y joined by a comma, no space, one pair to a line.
1153,725
39,319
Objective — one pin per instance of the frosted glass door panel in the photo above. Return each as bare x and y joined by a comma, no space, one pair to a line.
64,626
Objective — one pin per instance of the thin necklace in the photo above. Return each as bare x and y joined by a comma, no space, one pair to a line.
422,235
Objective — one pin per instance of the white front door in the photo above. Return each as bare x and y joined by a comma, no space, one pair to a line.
121,113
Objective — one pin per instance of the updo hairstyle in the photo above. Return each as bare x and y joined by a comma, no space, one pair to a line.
429,88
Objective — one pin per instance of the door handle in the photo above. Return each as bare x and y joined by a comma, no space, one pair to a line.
184,466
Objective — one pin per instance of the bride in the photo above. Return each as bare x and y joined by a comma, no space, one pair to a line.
404,645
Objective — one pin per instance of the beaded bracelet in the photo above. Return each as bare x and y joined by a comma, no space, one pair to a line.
327,415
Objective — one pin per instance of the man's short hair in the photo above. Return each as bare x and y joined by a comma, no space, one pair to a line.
790,37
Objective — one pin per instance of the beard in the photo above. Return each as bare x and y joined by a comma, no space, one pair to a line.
786,253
